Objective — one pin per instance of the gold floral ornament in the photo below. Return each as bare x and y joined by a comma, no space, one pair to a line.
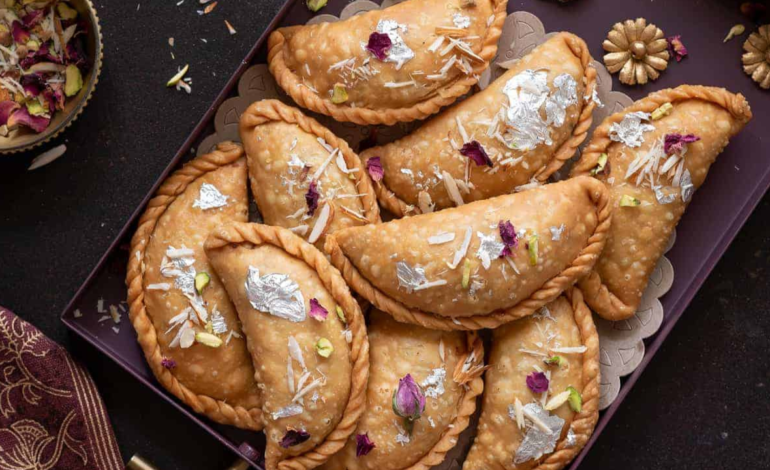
637,50
756,60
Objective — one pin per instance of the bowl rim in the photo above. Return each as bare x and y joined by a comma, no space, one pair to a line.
50,134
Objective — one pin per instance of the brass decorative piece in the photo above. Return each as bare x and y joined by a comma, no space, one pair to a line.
756,60
639,51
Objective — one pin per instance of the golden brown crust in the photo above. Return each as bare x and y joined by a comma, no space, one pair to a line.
597,293
578,268
307,98
217,410
257,234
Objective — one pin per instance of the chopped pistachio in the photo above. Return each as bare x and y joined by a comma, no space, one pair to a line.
532,249
736,30
73,81
66,12
208,339
629,201
341,314
557,400
600,164
33,45
201,281
339,94
178,77
324,347
553,361
35,108
315,5
209,327
662,111
575,399
466,273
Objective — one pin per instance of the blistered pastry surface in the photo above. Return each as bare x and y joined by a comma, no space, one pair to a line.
276,154
376,251
415,163
224,373
398,349
498,436
268,338
311,52
638,236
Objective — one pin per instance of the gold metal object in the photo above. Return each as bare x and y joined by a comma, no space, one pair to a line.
756,60
639,51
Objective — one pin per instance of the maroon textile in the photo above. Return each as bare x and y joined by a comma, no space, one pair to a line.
51,415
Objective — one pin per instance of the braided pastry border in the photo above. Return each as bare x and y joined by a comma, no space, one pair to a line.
580,267
445,95
583,423
597,294
400,208
265,111
217,410
295,246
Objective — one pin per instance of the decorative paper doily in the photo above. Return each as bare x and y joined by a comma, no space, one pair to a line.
622,348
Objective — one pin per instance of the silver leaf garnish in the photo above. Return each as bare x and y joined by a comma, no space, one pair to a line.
489,249
687,187
218,323
556,232
564,96
288,411
275,294
399,53
461,21
662,197
536,443
527,92
595,98
571,439
433,385
630,131
410,277
210,197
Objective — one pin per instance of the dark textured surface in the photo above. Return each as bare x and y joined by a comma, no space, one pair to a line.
702,403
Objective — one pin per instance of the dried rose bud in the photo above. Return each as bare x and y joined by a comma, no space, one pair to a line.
674,143
509,237
317,311
676,47
364,445
293,438
311,198
537,382
168,363
379,44
475,151
374,168
408,401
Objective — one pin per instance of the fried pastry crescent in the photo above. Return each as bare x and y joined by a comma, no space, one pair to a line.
386,66
481,264
303,176
168,311
306,336
524,125
541,390
652,156
447,367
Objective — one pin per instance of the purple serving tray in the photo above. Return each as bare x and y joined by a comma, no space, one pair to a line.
738,180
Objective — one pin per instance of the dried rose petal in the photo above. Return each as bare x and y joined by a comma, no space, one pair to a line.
374,168
364,445
537,382
6,109
676,47
674,143
21,117
311,198
475,151
168,363
293,438
317,311
509,237
32,18
19,32
379,44
32,83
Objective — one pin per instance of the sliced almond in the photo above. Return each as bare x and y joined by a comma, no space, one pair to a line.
322,223
354,215
424,202
556,401
451,189
451,32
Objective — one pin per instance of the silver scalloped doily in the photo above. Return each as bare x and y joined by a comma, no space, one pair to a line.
622,346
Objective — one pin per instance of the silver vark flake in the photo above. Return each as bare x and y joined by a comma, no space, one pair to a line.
210,197
186,281
687,187
564,96
399,53
536,443
630,131
489,249
275,294
218,323
662,197
409,277
433,385
527,92
556,232
461,21
571,439
288,411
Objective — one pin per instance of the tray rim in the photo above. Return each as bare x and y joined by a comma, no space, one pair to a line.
678,306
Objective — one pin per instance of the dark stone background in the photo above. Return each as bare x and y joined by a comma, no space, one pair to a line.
702,403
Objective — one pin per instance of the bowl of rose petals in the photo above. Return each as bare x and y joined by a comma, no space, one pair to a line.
50,58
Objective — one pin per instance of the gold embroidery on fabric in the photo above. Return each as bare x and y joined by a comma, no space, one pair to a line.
26,443
14,374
